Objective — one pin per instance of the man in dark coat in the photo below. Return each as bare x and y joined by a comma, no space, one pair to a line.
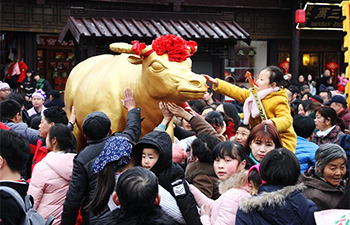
55,100
14,153
96,128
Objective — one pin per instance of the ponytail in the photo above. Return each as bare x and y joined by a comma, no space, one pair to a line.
105,184
277,76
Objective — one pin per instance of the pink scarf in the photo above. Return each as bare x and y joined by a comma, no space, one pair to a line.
251,108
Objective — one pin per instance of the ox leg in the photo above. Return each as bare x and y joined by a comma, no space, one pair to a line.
81,141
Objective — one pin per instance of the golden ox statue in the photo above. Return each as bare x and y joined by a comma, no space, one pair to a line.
158,72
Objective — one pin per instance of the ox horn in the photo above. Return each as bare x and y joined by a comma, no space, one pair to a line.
121,47
190,51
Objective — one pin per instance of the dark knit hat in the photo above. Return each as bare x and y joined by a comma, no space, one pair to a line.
96,125
55,94
316,98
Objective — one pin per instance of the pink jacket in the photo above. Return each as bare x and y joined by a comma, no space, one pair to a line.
50,183
223,210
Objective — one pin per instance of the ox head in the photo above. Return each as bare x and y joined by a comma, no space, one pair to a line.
166,68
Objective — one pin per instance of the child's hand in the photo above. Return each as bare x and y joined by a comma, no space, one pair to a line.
205,210
210,79
176,110
129,99
165,111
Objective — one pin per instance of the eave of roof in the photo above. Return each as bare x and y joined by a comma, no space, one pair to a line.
187,26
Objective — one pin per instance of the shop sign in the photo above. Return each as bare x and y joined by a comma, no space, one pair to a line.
322,16
52,41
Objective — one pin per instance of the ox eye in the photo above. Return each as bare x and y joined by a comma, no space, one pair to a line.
157,66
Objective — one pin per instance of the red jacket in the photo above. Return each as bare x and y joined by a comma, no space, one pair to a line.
4,127
39,154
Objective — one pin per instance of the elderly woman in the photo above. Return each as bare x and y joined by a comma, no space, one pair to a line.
324,181
327,122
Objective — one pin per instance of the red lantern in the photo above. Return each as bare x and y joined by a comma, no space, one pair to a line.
332,66
300,16
284,65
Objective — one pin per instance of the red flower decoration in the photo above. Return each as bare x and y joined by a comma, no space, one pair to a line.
138,47
175,46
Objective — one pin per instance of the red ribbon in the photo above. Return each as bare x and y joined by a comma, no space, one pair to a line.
138,47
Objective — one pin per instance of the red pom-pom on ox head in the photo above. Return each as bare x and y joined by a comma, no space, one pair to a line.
178,49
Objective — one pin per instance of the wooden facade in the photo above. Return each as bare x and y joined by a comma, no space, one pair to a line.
267,20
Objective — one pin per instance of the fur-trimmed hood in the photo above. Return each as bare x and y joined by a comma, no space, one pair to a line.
237,180
196,168
268,199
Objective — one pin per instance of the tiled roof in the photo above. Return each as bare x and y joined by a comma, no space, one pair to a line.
151,28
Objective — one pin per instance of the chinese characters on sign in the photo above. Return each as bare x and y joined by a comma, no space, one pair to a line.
322,16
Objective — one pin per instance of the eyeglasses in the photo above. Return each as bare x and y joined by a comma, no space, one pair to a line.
6,90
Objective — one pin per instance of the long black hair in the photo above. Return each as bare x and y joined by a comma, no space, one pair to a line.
64,137
234,150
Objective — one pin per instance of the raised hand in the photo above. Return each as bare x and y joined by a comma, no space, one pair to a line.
72,116
129,99
165,111
179,111
210,79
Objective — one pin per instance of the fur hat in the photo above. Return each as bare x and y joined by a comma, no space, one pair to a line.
4,85
96,125
39,93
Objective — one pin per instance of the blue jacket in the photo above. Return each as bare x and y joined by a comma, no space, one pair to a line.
305,152
278,205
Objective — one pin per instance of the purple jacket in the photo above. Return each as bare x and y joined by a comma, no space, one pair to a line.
345,116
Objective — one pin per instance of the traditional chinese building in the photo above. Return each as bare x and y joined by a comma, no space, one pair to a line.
233,36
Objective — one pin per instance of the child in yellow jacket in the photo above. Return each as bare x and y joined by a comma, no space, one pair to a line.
272,84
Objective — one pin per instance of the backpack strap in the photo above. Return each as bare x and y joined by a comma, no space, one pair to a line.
15,195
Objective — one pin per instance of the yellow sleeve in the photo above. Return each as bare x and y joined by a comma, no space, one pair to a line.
282,118
231,90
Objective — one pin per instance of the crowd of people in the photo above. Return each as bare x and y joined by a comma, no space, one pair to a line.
227,163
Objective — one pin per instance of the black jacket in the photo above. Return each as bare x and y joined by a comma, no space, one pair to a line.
10,211
55,102
82,184
170,174
277,205
28,86
151,216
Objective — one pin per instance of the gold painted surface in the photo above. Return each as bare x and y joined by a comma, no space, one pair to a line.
97,84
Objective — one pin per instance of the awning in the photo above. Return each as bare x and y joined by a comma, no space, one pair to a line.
148,27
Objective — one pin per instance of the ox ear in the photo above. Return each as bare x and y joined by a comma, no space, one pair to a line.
135,60
121,47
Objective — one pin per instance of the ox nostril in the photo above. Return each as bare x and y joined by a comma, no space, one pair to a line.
195,83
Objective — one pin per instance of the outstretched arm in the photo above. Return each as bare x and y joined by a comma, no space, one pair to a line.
133,121
179,111
211,80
